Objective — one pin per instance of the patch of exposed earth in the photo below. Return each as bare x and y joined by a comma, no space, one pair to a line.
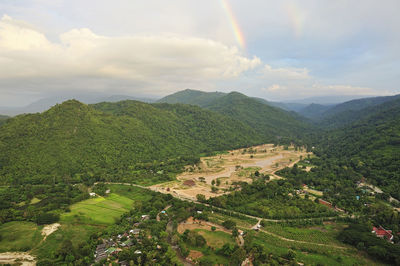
19,258
229,168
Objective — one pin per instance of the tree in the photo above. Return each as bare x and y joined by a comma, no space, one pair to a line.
201,198
235,232
229,224
213,182
291,255
213,228
238,256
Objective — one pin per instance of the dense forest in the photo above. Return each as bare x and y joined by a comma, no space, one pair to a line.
370,146
271,122
3,119
130,140
77,142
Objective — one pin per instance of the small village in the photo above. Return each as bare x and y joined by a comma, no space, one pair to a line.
112,246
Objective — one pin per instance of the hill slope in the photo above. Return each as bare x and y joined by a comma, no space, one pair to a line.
271,122
192,97
370,145
112,141
3,119
351,111
314,111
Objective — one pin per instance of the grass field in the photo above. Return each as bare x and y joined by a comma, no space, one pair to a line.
317,234
76,233
219,218
216,239
105,210
98,210
19,236
312,254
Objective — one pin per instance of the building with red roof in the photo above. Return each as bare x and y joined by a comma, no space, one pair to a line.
383,233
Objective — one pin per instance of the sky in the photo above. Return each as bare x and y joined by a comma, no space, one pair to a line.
277,50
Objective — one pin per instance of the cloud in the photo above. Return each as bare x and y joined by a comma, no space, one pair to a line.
279,91
290,73
26,53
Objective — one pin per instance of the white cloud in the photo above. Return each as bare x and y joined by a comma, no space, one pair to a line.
168,60
313,89
285,73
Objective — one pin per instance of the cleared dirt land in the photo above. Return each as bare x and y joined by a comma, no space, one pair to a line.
19,258
49,229
233,166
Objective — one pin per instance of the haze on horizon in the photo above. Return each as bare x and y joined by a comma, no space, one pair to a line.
277,50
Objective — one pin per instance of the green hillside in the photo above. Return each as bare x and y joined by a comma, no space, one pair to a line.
314,111
3,119
271,122
113,141
370,145
192,97
351,111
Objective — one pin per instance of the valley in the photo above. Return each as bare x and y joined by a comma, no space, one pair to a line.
195,184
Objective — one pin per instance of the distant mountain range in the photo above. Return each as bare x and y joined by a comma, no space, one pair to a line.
44,104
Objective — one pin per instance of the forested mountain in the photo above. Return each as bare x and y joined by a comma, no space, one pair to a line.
88,98
314,111
74,141
351,111
371,145
271,122
193,97
3,119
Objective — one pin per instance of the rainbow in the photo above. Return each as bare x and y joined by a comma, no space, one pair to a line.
296,17
235,26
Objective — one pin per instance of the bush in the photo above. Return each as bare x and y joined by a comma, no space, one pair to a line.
229,224
47,218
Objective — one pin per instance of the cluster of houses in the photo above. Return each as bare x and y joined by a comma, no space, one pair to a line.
114,245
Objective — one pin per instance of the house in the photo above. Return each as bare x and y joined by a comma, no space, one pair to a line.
138,252
92,194
326,203
108,191
135,231
189,183
199,212
145,217
383,233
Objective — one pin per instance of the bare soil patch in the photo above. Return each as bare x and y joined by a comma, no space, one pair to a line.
49,229
23,258
194,254
228,168
191,224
